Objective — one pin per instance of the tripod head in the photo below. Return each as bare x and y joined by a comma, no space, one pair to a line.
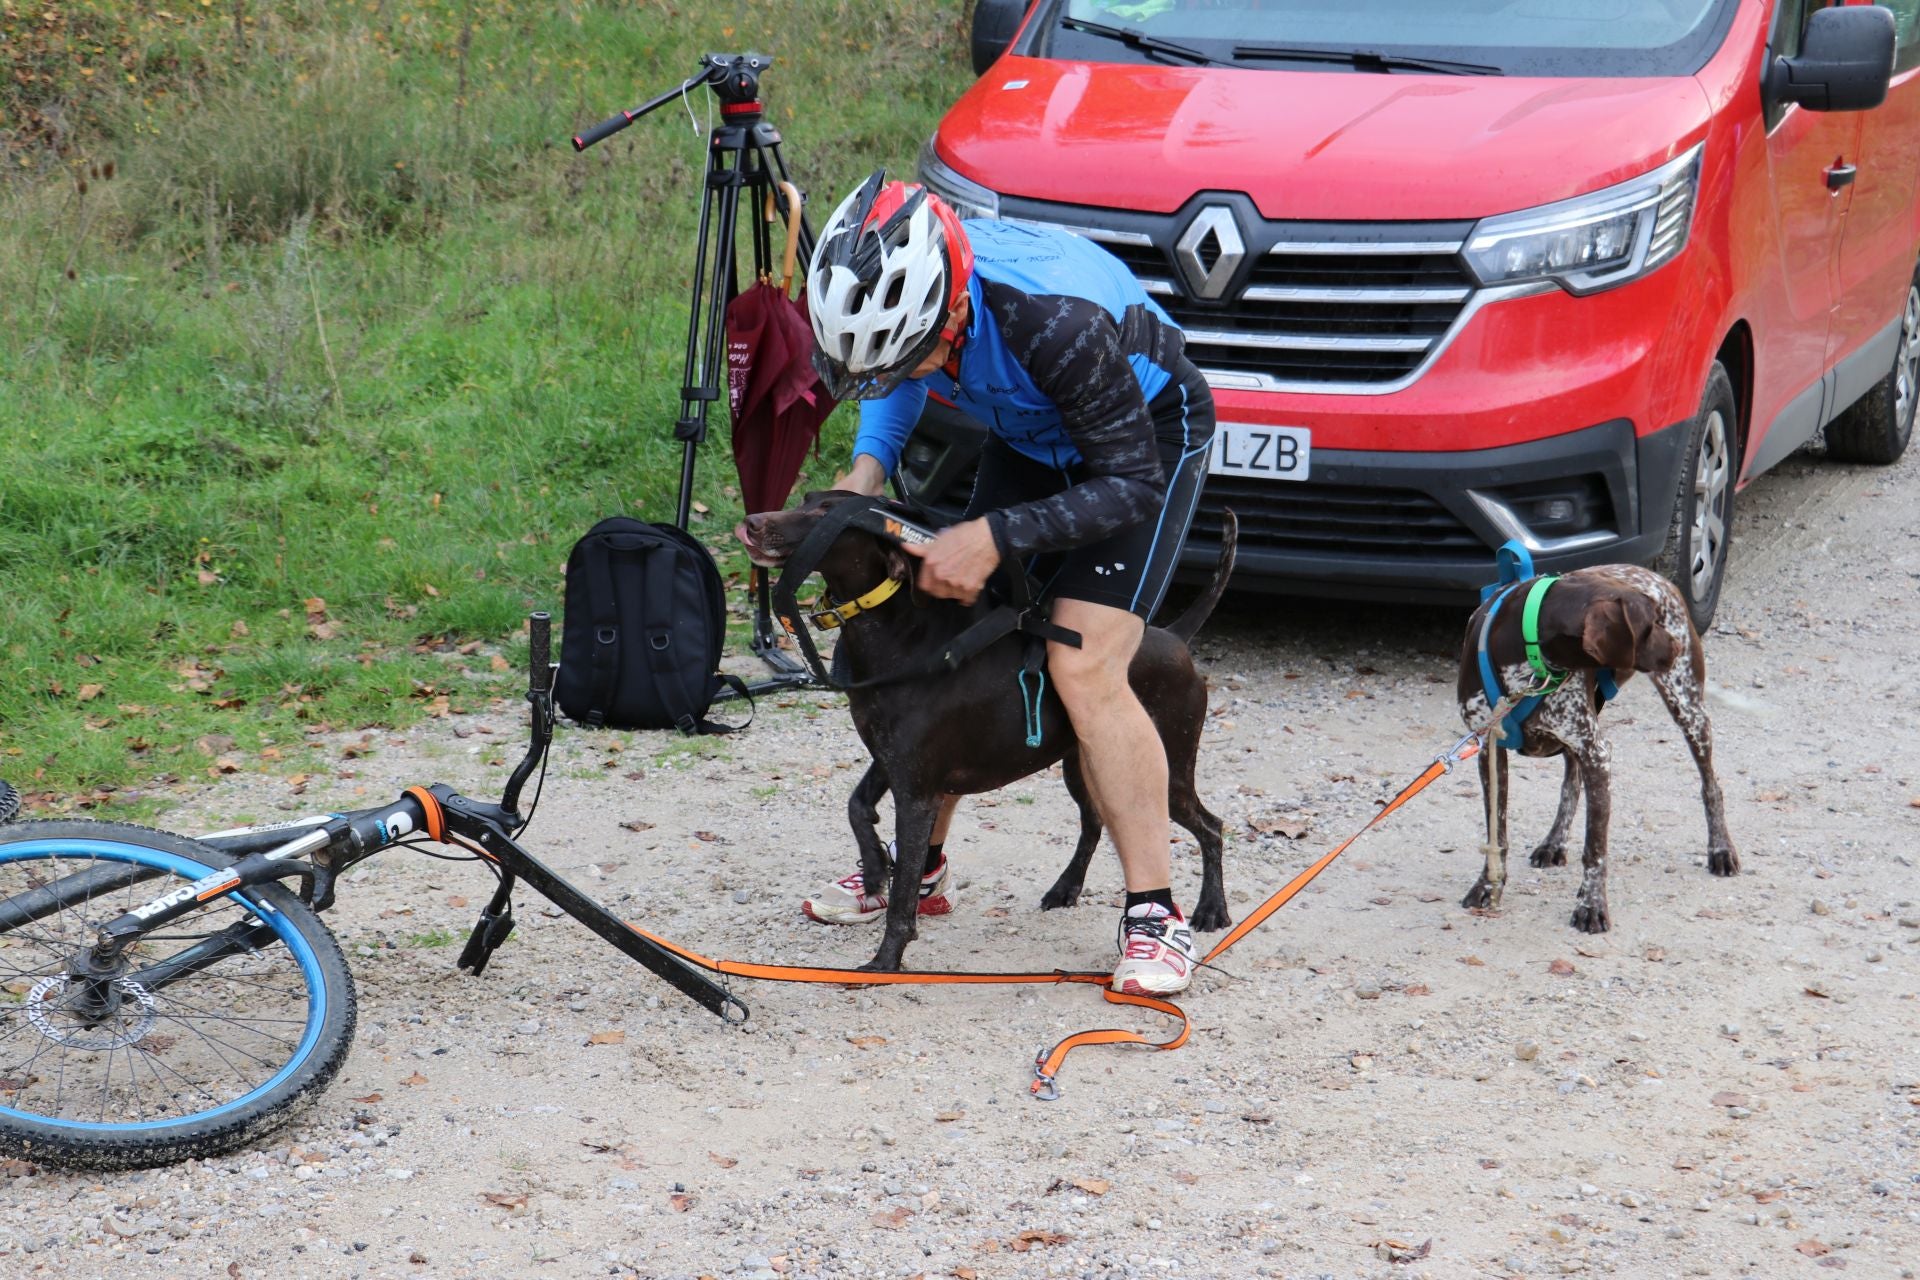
734,78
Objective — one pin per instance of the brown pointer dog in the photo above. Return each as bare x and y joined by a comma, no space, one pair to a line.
1619,616
962,733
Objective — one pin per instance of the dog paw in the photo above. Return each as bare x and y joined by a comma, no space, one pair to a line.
1060,896
1723,862
1210,917
1548,855
1480,897
1591,917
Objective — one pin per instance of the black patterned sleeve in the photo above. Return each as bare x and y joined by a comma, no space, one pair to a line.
1077,357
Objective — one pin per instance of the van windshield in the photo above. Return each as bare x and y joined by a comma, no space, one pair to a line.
1473,37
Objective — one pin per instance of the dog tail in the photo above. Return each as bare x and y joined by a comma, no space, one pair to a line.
1190,622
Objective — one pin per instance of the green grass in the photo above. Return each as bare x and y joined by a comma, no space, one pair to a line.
312,365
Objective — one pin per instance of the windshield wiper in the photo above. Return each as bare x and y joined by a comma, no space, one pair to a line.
1140,40
1364,60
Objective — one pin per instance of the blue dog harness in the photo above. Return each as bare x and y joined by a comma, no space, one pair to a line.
1515,566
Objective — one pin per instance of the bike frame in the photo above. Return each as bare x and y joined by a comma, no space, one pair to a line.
320,847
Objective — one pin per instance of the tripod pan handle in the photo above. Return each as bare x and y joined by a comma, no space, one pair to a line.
605,129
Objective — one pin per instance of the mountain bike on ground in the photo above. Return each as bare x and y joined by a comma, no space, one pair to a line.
163,998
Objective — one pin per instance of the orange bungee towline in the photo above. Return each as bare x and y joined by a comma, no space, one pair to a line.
1048,1062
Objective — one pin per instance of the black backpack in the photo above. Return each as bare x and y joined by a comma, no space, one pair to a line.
641,636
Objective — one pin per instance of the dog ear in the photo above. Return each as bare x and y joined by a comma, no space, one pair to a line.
902,566
1654,649
1607,635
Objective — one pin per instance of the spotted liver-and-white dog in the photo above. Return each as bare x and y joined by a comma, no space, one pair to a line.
1612,616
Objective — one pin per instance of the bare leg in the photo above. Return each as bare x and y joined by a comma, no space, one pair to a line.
943,818
1492,883
1552,852
1590,908
1120,750
1680,689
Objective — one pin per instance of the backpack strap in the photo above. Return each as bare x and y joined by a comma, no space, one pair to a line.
604,608
658,643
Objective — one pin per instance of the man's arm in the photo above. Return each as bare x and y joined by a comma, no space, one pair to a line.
1073,351
885,425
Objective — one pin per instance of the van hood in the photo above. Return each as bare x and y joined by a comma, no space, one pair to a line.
1310,144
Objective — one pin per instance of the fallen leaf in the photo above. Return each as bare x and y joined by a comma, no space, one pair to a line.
369,1098
1419,989
948,1115
1727,1098
607,1037
1473,961
88,692
1591,952
502,1200
1816,993
893,1219
1656,954
1027,1239
226,764
1292,827
498,663
1561,967
680,1203
1381,901
456,900
725,1162
1093,1186
965,1273
1767,1197
638,824
866,1042
1812,1248
415,1078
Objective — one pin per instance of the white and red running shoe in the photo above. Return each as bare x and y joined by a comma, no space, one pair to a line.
1156,952
846,901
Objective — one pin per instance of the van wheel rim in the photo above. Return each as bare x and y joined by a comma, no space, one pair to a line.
1712,481
1906,371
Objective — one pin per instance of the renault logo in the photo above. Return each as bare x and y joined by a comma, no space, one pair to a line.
1209,251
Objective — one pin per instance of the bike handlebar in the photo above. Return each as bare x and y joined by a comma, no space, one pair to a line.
539,652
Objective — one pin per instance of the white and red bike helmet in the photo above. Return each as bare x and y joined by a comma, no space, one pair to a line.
888,270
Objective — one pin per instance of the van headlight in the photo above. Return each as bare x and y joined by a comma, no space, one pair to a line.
1595,241
968,198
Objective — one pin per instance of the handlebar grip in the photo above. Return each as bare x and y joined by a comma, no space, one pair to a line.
539,651
605,129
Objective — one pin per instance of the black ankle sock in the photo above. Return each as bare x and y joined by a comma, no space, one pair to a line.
935,854
1158,897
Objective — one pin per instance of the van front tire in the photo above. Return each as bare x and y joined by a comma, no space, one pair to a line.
1700,535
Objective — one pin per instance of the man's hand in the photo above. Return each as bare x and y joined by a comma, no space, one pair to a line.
957,563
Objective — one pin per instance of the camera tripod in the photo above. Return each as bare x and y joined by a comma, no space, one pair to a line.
743,158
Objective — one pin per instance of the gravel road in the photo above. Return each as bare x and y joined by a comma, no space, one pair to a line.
1385,1085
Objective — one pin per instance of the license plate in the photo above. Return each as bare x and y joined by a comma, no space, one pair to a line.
1270,453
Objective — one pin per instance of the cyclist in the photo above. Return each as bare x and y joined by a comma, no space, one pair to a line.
1098,434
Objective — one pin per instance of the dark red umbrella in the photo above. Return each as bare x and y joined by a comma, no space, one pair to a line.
777,400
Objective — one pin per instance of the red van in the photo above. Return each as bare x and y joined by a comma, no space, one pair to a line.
1461,271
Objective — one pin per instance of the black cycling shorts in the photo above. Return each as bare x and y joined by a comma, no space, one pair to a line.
1132,569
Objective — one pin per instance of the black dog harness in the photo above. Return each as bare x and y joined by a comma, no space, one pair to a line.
878,517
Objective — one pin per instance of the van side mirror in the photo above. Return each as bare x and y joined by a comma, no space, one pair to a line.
994,25
1845,62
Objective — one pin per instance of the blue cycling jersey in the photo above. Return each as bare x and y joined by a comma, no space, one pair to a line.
1063,350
